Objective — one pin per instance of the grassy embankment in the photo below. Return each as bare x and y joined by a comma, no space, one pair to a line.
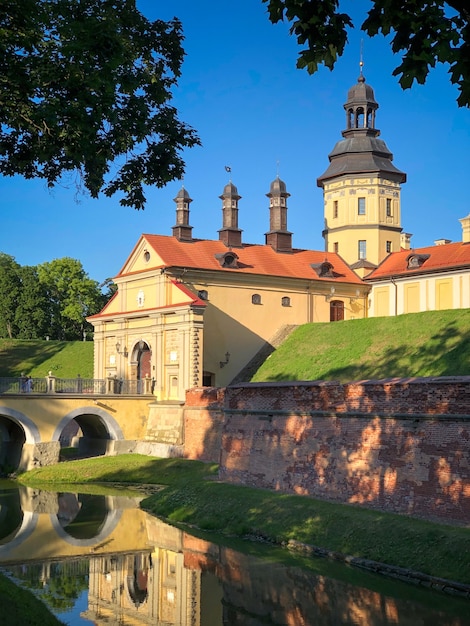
190,497
21,607
436,343
64,359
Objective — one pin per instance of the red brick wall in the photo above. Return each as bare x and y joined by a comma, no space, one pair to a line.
401,445
203,421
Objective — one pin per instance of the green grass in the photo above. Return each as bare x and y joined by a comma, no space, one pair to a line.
191,496
435,343
21,607
64,359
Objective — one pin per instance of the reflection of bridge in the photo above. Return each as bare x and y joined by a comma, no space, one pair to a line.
135,562
105,416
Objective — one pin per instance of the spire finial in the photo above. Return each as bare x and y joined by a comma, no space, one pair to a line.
277,168
361,78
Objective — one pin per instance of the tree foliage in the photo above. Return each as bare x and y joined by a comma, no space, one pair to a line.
72,296
424,32
51,300
85,88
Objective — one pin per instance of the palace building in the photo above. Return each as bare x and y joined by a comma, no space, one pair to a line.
192,312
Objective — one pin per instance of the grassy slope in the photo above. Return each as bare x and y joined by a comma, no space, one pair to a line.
435,343
231,510
65,359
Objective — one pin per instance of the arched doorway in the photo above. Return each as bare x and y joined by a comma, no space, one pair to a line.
336,311
144,354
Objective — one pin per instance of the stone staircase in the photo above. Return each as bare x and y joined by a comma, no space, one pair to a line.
269,347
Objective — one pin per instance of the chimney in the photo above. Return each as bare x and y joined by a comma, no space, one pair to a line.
230,234
405,241
465,221
182,230
441,242
278,237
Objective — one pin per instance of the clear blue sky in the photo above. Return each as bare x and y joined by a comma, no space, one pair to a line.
257,113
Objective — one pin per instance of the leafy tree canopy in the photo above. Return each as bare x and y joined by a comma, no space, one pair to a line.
85,89
424,32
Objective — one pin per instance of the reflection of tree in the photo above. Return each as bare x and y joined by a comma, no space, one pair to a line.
57,584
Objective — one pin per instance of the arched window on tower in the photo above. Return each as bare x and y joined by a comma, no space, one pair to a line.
360,117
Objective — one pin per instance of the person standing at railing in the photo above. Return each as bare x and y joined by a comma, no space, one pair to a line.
23,380
29,384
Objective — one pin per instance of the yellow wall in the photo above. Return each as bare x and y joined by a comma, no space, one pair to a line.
427,292
375,227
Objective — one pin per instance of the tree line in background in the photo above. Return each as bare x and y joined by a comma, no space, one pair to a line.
50,300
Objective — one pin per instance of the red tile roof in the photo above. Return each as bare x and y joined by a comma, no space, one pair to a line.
252,259
439,258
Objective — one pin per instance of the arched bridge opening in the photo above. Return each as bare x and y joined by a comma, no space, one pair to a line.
12,440
89,430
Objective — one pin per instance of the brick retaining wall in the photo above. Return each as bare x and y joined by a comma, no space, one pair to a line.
399,445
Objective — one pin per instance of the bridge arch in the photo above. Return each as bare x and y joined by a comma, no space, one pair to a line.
97,425
19,437
31,432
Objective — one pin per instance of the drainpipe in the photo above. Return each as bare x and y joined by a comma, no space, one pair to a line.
396,294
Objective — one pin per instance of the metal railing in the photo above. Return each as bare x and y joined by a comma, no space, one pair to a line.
51,385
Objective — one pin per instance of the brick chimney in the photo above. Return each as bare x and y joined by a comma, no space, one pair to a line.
230,234
182,230
278,237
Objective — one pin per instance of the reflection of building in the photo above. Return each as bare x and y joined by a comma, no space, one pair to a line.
143,588
191,312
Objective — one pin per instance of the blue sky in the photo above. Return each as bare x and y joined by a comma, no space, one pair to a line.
257,113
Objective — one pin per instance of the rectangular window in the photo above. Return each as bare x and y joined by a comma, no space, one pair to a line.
361,206
361,249
389,207
335,209
388,246
336,247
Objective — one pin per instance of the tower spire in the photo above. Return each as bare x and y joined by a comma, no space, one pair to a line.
361,57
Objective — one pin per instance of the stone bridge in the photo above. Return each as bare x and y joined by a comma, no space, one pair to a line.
97,417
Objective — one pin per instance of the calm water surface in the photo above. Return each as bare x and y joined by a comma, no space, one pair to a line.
101,560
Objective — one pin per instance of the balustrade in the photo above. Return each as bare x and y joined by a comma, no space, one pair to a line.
75,386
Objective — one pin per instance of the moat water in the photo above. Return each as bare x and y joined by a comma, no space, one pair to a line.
99,559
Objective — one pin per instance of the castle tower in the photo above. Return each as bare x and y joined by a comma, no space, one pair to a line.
230,234
361,188
182,230
278,237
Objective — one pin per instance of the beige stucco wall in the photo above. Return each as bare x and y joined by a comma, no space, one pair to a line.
450,290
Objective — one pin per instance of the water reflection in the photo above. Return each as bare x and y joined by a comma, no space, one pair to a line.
131,568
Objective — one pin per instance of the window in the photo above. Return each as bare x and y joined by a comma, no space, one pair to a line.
336,247
285,301
361,249
256,298
389,207
335,209
388,246
361,206
336,311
